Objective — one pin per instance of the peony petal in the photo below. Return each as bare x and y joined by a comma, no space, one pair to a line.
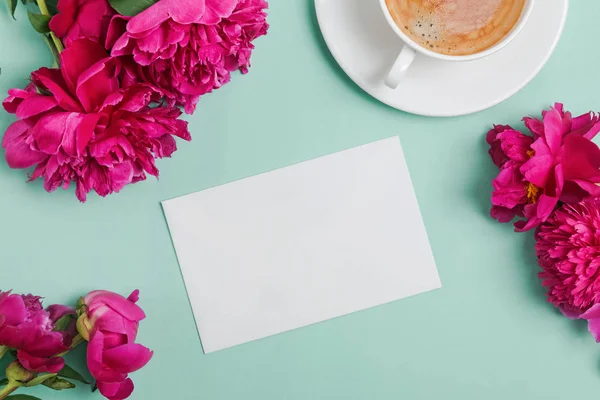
79,57
40,364
35,105
94,361
581,159
116,28
91,21
592,313
127,358
10,336
181,11
168,146
515,145
536,213
535,126
96,83
502,214
116,302
109,322
509,189
588,188
53,81
495,151
85,131
49,131
537,169
16,96
593,131
60,23
112,339
137,98
12,308
594,328
216,10
42,343
19,153
121,175
582,121
553,129
134,297
545,206
57,311
569,313
116,391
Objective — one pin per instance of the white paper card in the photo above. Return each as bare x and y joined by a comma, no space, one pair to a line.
301,244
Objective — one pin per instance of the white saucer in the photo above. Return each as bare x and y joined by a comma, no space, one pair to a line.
359,38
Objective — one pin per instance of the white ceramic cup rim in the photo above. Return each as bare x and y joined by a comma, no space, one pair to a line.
527,8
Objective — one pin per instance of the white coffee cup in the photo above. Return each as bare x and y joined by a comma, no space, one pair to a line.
411,48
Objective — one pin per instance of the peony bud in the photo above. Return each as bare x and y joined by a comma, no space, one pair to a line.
16,373
80,307
57,383
84,326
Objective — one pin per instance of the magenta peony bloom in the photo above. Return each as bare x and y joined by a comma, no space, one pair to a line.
84,128
26,327
186,48
568,250
79,19
509,151
110,324
559,163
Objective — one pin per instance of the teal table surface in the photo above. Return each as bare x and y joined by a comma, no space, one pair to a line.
487,334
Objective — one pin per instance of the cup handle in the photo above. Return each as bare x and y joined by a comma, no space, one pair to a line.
404,60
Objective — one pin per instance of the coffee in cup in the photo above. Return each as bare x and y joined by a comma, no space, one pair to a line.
456,27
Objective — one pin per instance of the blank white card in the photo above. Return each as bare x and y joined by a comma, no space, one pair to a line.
301,244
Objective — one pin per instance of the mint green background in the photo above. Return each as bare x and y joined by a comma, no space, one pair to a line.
487,334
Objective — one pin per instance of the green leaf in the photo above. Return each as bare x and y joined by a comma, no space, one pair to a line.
52,6
53,50
39,22
131,7
58,383
63,323
3,381
22,397
12,6
39,379
70,373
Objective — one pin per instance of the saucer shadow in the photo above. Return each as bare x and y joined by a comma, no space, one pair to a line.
328,57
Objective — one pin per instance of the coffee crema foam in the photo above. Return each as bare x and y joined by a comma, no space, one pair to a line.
456,27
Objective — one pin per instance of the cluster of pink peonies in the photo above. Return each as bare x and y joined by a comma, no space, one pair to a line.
551,180
39,338
101,119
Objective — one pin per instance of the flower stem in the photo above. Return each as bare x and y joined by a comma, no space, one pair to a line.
3,351
8,389
44,10
77,340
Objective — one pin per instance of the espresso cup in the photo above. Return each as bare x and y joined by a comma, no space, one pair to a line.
411,48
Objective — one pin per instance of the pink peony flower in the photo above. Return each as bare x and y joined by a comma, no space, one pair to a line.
82,19
509,151
186,48
559,163
77,125
110,324
568,250
26,327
